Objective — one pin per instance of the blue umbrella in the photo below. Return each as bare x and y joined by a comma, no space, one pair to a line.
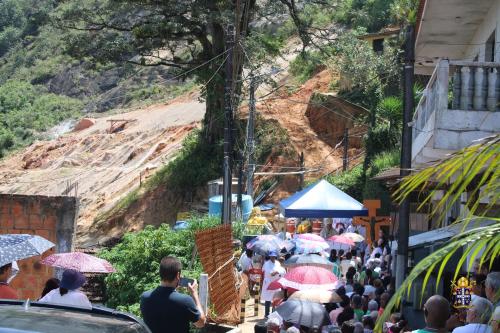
20,246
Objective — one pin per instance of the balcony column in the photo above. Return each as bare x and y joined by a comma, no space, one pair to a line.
491,101
478,100
465,94
456,90
442,85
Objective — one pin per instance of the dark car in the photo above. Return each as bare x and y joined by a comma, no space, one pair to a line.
22,317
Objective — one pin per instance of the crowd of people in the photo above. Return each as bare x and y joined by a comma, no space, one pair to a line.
164,309
366,287
64,292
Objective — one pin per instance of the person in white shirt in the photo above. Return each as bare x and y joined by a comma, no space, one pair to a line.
346,263
68,293
245,262
272,270
478,316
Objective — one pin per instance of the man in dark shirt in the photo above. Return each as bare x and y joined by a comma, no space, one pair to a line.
166,310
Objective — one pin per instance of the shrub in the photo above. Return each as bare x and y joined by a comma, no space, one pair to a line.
352,183
305,65
137,260
27,110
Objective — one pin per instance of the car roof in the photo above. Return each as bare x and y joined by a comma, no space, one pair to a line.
57,318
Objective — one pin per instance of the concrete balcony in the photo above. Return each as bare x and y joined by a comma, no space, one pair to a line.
459,105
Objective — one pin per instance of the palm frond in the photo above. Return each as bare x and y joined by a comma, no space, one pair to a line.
475,169
490,240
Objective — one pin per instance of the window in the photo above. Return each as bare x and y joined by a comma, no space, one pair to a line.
378,45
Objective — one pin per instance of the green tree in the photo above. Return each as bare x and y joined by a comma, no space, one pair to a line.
184,35
474,170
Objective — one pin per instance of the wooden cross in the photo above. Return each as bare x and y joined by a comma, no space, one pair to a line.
372,222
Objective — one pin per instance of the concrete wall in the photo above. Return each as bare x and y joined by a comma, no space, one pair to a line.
478,43
457,129
53,218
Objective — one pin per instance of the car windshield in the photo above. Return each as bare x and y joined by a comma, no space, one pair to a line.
53,320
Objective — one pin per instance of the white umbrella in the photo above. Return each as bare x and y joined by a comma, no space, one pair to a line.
20,246
357,238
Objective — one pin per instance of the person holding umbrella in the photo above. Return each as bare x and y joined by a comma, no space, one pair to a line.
68,292
6,291
271,270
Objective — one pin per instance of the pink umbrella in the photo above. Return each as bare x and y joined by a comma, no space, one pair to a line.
339,239
305,278
309,237
80,262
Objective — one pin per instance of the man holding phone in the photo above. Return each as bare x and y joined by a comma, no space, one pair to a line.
166,310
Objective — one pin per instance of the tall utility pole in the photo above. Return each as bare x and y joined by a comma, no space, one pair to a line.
228,121
408,106
302,168
345,164
250,138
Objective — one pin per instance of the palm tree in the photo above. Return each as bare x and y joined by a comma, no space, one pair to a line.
474,170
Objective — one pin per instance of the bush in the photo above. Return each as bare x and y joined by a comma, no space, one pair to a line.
137,260
305,65
27,110
352,183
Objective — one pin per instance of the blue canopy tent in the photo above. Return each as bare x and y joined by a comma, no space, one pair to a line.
322,200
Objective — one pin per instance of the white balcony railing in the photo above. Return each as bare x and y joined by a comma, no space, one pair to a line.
459,104
475,85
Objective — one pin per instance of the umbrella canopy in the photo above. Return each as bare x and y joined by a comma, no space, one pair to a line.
21,246
340,239
306,247
356,238
303,313
268,239
308,277
321,200
309,237
340,242
317,296
308,260
80,262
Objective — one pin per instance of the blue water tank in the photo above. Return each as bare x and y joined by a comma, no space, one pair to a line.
215,205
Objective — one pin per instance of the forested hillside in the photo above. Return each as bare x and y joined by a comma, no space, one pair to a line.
42,83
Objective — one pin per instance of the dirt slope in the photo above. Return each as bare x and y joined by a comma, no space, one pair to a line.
98,167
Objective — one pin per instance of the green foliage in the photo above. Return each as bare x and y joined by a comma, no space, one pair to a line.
475,168
271,139
353,183
368,73
137,260
350,182
306,64
26,110
195,164
21,18
373,15
391,109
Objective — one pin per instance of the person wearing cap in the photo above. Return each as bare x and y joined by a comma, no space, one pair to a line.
271,270
68,292
6,291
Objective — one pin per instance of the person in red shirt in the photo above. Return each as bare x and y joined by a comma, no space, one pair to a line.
6,291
